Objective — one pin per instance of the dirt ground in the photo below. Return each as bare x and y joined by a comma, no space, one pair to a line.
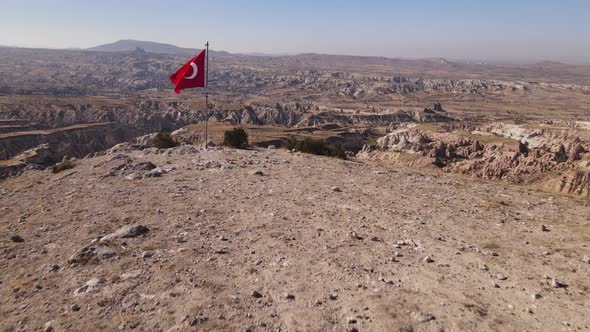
267,240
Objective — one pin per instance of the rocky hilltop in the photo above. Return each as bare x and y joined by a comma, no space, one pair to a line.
186,239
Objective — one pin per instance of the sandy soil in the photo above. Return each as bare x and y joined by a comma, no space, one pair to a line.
306,243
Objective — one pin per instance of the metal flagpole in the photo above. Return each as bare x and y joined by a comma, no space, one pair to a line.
206,93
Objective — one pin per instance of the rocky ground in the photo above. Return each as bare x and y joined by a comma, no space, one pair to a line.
256,240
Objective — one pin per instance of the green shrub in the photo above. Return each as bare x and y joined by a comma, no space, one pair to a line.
64,165
236,138
164,141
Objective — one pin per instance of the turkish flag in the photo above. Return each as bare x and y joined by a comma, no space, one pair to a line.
191,75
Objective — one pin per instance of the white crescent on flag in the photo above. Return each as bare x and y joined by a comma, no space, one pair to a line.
195,72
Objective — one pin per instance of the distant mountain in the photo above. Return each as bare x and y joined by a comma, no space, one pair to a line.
152,47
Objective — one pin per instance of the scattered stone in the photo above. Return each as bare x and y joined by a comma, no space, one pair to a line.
146,254
333,297
90,286
90,253
133,176
289,296
258,172
428,259
423,317
198,321
129,231
75,307
130,275
558,283
336,189
544,228
17,238
352,320
256,294
51,268
501,276
355,236
535,296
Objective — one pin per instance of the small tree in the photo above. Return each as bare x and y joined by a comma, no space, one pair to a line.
164,141
236,138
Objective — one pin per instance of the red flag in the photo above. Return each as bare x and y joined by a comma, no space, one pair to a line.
191,75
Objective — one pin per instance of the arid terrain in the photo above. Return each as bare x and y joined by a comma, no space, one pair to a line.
268,240
461,201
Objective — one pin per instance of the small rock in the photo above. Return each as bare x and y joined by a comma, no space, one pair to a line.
289,296
586,259
423,317
500,276
558,283
397,254
258,172
90,253
256,294
544,228
535,296
355,236
52,268
90,286
428,259
336,189
146,254
198,321
333,297
49,326
130,275
483,267
352,320
75,307
495,285
129,231
17,238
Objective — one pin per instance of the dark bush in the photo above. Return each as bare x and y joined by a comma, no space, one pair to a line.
309,145
236,138
164,141
64,165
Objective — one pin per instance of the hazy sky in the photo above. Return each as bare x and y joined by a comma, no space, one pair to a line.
456,29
